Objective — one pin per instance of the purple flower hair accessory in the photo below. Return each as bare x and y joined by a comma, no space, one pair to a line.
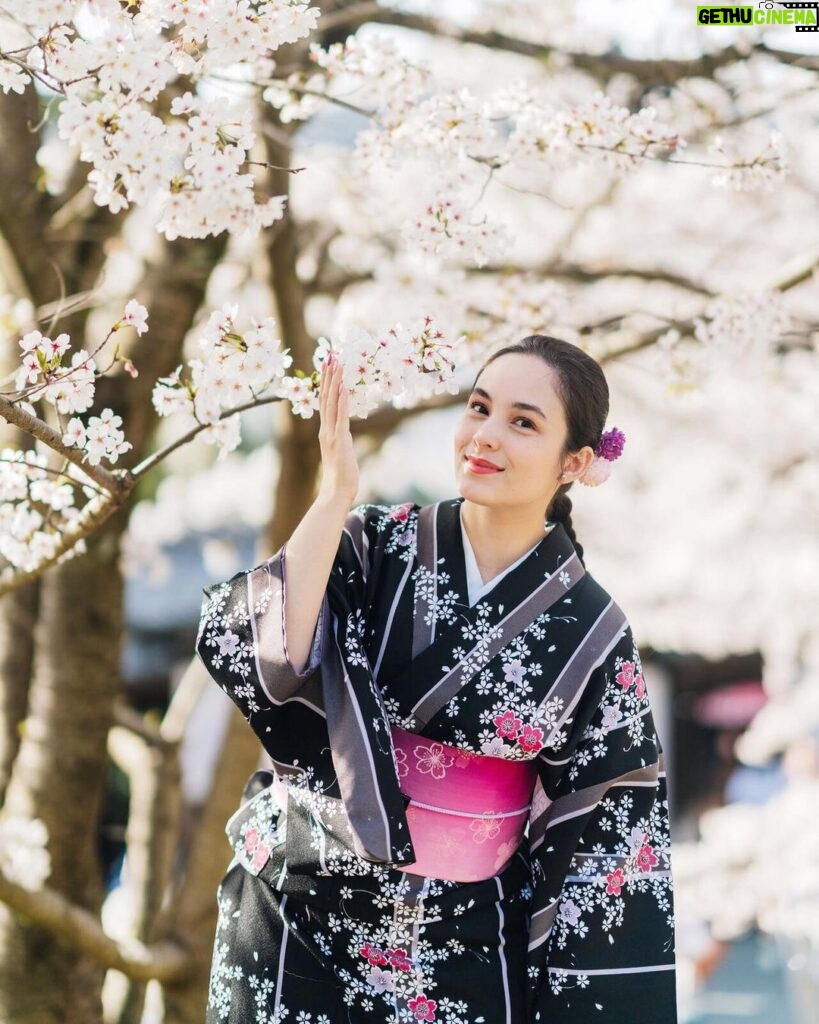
609,447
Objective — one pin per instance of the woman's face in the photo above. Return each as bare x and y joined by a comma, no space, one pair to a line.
514,421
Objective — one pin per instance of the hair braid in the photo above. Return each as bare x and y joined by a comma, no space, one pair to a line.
560,511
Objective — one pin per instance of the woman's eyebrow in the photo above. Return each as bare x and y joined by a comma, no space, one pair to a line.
515,405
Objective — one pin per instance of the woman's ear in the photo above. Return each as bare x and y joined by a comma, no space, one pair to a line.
576,464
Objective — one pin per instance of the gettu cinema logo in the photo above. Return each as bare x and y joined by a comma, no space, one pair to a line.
803,16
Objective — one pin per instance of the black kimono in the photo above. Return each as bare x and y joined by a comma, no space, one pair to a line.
318,922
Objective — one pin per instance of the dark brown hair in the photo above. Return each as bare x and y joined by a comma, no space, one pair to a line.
584,393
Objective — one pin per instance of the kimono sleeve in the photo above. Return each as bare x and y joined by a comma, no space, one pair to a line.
601,943
242,637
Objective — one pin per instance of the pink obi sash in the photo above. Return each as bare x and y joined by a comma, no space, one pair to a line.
467,812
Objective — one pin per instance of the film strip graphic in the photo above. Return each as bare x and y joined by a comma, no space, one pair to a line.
801,7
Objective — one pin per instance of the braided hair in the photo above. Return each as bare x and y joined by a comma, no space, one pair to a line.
583,390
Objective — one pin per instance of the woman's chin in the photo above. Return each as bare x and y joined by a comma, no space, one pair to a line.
470,487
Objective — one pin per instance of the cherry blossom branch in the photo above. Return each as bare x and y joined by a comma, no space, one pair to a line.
153,460
589,275
667,71
167,962
117,486
114,483
337,100
800,270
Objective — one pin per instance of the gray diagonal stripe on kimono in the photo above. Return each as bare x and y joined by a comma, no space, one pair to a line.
591,652
393,607
353,760
507,629
541,923
573,804
268,630
423,633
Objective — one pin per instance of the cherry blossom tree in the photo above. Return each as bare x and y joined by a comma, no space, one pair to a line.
198,201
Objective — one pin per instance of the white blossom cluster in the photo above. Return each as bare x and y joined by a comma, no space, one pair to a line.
115,63
452,142
38,497
37,505
748,323
232,369
750,167
24,856
369,74
43,376
402,364
756,865
405,364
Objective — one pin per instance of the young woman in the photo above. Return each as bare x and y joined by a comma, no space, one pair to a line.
467,821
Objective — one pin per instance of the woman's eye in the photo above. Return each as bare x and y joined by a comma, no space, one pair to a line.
475,404
524,421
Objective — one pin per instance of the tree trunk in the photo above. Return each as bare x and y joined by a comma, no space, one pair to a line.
58,776
18,614
153,820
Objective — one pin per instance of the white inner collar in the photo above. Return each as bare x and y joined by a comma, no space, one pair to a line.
475,586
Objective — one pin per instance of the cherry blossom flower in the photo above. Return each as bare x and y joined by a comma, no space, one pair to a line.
494,747
398,958
136,316
507,725
104,439
432,760
484,828
531,739
373,954
401,513
625,677
514,671
381,980
646,858
423,1008
614,882
261,855
570,912
636,838
611,716
228,644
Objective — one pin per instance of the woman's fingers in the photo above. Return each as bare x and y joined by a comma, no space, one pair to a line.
343,405
330,411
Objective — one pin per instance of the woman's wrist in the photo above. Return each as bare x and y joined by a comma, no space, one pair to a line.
332,500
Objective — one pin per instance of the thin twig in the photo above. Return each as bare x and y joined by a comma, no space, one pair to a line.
53,472
147,464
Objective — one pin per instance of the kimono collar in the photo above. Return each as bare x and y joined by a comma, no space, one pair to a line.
476,586
440,534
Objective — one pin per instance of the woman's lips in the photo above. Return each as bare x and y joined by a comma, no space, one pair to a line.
481,465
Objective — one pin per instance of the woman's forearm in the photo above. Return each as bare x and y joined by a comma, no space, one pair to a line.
309,558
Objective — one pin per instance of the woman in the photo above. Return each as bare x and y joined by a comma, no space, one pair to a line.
468,817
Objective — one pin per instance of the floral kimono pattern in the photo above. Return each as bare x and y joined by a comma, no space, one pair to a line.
320,920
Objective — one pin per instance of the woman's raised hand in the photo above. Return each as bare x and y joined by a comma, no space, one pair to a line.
339,466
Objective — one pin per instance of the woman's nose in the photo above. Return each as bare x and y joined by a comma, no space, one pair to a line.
485,437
